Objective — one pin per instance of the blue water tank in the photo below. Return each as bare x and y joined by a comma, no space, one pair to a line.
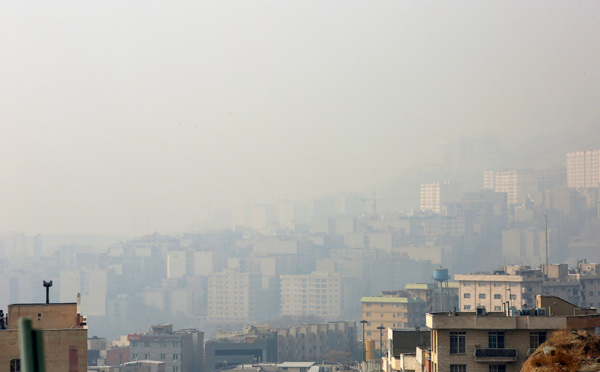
440,274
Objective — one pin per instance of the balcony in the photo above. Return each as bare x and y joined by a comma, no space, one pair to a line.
485,355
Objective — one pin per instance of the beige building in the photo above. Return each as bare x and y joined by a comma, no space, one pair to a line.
583,169
233,296
64,333
319,293
392,309
497,341
517,184
435,196
516,285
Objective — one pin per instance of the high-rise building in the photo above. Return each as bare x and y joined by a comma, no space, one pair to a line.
517,184
319,293
435,196
583,169
234,296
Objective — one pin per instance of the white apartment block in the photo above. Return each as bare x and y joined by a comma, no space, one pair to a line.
518,285
233,296
517,184
319,293
583,169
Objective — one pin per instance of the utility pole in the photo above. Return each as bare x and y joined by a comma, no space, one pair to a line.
364,350
381,328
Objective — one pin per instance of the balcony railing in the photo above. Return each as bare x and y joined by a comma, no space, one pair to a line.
495,355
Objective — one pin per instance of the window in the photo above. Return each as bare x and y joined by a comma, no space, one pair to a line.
175,369
536,339
381,315
497,308
15,365
496,340
482,284
457,342
467,295
467,284
497,297
147,344
134,356
163,357
458,368
497,284
175,356
134,344
368,313
147,356
467,307
368,333
497,368
163,344
513,297
513,285
482,296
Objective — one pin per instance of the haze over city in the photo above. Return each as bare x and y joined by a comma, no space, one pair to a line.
130,118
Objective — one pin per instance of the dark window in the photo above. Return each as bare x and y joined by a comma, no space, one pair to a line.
536,339
458,368
496,340
15,365
457,342
497,368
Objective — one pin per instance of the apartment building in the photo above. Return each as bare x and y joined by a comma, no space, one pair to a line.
181,351
500,341
308,342
517,184
583,169
65,336
319,293
233,296
392,309
518,286
435,196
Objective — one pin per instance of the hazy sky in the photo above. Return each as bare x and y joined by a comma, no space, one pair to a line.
129,117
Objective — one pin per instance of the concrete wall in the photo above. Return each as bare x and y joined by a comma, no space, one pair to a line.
44,316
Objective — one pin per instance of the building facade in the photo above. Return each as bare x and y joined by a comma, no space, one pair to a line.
499,341
64,333
319,293
233,296
181,351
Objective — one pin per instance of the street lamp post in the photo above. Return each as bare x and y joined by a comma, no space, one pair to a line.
381,328
364,351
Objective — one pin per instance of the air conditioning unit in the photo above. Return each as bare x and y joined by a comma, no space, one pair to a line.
480,311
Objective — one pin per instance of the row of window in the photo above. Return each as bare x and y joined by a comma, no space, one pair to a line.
147,343
495,341
483,296
162,356
463,368
496,284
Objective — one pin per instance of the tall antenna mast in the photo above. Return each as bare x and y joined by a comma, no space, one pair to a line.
546,217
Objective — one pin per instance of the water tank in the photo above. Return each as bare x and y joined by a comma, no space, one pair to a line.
440,274
370,346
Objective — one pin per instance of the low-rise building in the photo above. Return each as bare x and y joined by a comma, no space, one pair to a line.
392,309
181,351
64,333
500,341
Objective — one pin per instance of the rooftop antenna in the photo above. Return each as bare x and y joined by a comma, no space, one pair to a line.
47,285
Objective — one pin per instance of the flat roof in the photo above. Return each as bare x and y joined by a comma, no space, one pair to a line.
297,364
398,300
